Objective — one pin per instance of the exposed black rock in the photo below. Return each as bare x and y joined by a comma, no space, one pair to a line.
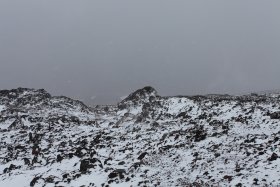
273,157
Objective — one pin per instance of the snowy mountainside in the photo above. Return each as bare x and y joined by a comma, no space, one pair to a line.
145,140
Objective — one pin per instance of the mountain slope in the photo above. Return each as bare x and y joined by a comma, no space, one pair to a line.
145,140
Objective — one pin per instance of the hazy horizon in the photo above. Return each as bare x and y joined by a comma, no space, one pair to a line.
99,51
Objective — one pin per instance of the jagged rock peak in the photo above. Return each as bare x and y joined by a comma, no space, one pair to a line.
23,96
144,93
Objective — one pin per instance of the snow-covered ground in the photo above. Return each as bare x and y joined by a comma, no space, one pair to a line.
146,140
2,107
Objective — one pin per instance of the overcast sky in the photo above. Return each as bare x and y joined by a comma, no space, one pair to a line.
106,49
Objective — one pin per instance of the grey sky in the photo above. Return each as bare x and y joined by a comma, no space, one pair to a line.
109,48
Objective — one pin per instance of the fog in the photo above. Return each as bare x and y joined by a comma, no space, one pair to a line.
99,51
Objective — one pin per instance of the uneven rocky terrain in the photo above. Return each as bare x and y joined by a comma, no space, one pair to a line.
145,140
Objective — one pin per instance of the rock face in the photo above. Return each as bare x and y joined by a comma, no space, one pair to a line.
141,94
145,140
139,97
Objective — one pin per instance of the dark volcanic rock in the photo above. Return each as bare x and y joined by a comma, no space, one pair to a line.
273,157
142,155
275,115
89,163
117,173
